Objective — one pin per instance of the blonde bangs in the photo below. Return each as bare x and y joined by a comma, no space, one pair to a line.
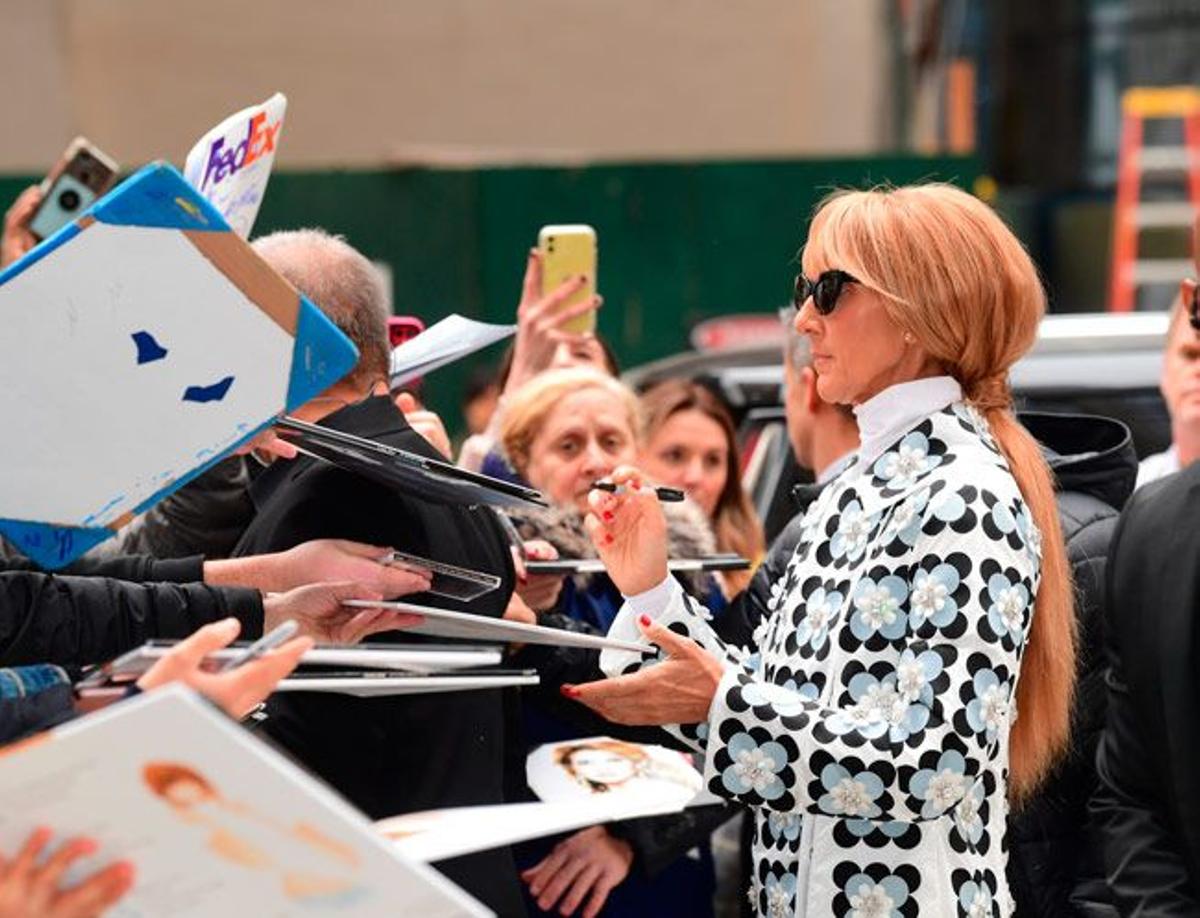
845,235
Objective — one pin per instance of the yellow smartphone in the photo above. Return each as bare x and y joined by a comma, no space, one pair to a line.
568,251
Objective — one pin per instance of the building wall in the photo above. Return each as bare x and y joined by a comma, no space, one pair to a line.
386,83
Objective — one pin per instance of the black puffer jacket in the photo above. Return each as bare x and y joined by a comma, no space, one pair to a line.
1055,866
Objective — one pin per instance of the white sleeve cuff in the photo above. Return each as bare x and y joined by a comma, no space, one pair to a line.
656,600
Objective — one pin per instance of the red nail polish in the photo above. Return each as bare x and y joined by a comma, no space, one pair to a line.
645,620
608,516
608,539
569,691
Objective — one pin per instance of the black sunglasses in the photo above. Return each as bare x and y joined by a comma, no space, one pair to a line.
824,291
1194,309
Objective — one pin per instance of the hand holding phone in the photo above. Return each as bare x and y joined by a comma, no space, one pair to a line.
82,174
558,301
17,238
570,252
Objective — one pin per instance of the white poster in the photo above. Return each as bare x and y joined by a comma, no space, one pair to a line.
230,165
214,821
615,770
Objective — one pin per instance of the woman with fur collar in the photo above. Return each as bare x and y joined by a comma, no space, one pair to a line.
563,431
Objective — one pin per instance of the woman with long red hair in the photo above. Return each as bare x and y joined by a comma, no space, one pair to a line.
872,725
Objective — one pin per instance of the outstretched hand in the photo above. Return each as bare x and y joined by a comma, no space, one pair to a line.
32,885
319,611
586,865
629,531
237,691
343,561
17,238
540,322
676,690
540,591
268,445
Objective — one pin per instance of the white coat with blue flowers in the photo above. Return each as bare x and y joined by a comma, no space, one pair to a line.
868,728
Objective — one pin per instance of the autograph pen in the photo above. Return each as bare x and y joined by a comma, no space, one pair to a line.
666,495
277,636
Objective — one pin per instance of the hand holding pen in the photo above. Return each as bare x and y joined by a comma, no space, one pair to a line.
629,530
276,637
236,690
666,495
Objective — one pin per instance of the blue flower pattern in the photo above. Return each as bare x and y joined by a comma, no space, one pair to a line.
780,893
933,596
988,710
901,467
879,608
850,795
1009,604
755,767
853,531
941,788
871,899
819,612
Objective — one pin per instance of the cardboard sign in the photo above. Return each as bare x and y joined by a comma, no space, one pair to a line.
141,344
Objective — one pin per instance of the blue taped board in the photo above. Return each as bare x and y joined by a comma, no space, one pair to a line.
40,251
53,546
320,357
157,197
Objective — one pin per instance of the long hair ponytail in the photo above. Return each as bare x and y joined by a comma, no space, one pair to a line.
1045,691
953,276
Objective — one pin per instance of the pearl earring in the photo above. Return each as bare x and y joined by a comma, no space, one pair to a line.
908,338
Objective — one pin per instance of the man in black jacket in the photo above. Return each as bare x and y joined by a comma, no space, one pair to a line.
1148,803
388,755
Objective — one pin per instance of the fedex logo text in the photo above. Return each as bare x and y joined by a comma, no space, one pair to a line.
223,161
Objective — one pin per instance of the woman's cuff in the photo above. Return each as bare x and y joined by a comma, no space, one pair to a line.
656,600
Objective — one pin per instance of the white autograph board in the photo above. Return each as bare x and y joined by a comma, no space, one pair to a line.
142,343
623,772
214,821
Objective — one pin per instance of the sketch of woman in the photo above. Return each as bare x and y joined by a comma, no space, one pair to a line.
602,765
311,865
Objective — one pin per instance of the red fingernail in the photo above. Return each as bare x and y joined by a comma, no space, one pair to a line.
645,620
608,516
569,691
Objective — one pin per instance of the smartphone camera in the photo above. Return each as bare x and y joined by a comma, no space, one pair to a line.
68,201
